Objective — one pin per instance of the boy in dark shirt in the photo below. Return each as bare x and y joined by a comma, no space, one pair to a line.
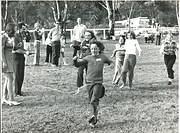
94,78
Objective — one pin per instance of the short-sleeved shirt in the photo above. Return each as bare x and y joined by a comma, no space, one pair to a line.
95,65
78,32
170,47
55,34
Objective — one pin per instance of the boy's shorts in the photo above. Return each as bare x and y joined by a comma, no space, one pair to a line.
95,91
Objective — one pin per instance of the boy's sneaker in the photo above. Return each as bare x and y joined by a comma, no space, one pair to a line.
92,121
122,86
169,83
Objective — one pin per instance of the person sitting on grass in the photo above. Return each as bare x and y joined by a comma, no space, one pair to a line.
94,78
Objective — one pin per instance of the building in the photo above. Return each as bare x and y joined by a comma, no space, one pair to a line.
139,22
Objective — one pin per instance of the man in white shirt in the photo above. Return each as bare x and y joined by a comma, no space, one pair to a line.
54,35
78,35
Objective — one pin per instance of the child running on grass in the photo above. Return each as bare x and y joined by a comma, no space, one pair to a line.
119,53
131,45
94,77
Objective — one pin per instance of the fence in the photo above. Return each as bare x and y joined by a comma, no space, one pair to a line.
102,32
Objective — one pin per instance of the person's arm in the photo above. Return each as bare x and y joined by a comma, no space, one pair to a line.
114,53
4,40
80,62
138,48
107,60
161,51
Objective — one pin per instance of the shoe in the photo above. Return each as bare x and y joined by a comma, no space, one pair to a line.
53,65
4,101
115,85
92,121
14,103
122,86
77,92
169,82
65,64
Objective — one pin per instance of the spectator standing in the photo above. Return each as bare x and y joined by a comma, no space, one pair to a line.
37,42
158,37
55,35
8,66
48,50
27,43
131,45
94,77
62,50
119,53
168,49
78,36
19,59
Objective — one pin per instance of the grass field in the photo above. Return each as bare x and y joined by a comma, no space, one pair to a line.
50,107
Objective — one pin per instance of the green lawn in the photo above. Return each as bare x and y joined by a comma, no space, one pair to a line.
50,107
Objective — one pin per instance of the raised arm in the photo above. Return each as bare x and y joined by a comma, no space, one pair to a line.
138,48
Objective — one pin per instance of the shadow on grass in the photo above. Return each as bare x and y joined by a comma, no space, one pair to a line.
104,126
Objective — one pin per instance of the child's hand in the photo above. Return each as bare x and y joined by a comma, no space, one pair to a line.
112,56
75,58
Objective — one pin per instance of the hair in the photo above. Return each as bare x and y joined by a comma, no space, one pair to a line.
92,34
123,37
20,25
132,34
10,29
36,25
99,45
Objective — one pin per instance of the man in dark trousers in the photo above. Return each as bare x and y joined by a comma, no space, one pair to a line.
19,59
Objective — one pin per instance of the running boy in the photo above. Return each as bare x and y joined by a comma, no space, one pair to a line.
94,77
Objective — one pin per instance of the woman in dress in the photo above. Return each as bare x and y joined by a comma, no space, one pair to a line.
8,68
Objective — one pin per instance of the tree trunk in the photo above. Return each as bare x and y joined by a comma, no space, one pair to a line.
177,12
110,18
4,17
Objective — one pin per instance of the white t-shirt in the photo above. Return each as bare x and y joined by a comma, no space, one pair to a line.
131,45
78,32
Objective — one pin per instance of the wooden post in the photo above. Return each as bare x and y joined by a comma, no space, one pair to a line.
104,34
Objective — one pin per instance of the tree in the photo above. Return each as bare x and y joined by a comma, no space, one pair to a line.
177,12
60,16
108,5
4,13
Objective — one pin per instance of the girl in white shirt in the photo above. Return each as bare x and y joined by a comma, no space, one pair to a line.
131,46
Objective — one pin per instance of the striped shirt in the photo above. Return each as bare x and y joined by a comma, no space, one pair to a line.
169,47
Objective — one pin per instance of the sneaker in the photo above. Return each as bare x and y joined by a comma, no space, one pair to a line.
169,82
65,64
4,101
53,65
92,121
14,103
122,86
77,92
